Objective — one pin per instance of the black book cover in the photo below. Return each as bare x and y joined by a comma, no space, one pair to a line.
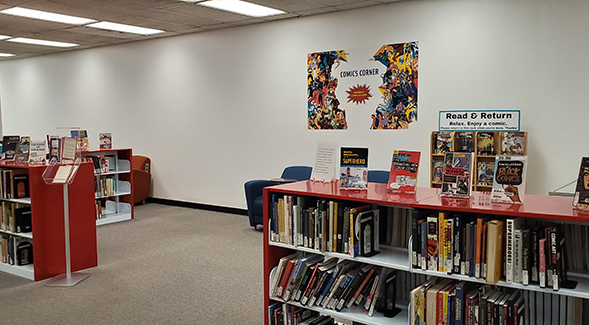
20,183
535,261
416,238
22,219
464,142
526,250
367,288
24,253
9,143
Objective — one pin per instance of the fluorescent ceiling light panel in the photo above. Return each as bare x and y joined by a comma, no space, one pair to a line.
242,7
3,37
41,42
125,28
5,55
43,15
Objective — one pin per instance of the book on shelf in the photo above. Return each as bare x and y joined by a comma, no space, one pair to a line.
509,181
581,197
9,146
105,140
464,142
22,149
37,151
512,143
456,180
353,168
403,173
485,143
485,172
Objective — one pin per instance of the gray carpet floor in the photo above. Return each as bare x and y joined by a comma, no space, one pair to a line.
170,265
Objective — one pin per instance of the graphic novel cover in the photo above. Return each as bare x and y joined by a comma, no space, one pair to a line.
456,180
403,174
485,143
509,181
581,199
353,168
437,171
443,142
105,140
485,172
512,143
464,142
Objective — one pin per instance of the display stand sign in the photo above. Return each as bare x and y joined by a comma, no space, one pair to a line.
63,173
494,120
325,162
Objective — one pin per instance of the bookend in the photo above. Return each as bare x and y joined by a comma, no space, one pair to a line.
388,307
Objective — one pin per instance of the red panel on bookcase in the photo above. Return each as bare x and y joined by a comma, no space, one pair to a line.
48,223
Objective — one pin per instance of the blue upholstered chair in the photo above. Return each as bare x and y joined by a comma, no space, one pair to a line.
253,191
378,176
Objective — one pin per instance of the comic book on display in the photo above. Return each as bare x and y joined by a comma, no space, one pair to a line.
512,143
456,180
105,140
443,141
353,168
22,149
437,171
403,174
581,199
10,142
485,172
509,181
82,135
485,143
464,142
37,151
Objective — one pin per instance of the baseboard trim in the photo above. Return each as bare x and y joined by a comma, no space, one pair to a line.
193,205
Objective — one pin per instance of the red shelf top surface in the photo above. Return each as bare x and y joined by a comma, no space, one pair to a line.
376,193
534,206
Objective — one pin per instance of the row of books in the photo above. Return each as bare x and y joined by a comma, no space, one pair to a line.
102,163
446,301
14,183
285,314
15,217
104,186
325,225
15,250
331,284
98,209
511,143
513,249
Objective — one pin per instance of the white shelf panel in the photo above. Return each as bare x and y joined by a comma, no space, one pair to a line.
390,257
358,314
112,218
24,200
580,291
20,234
25,271
123,167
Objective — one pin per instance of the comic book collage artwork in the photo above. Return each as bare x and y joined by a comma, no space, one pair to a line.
340,82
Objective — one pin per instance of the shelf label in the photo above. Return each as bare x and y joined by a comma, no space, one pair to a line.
496,120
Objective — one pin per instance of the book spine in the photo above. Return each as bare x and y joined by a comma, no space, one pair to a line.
554,258
509,227
479,238
472,249
457,243
441,241
432,243
542,263
415,238
526,245
517,261
459,297
424,244
448,230
535,257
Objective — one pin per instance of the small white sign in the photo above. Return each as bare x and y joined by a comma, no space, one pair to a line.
325,162
507,120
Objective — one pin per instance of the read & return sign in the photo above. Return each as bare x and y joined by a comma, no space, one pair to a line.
479,121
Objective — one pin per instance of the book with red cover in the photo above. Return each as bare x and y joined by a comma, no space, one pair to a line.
403,174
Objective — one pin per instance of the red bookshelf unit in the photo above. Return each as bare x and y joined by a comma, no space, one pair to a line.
539,207
116,205
47,220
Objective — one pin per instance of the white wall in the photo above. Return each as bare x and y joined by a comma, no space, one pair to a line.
216,109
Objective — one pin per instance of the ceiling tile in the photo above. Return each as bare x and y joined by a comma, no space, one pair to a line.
195,10
289,5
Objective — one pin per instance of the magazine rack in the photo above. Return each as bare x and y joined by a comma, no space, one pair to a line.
63,173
